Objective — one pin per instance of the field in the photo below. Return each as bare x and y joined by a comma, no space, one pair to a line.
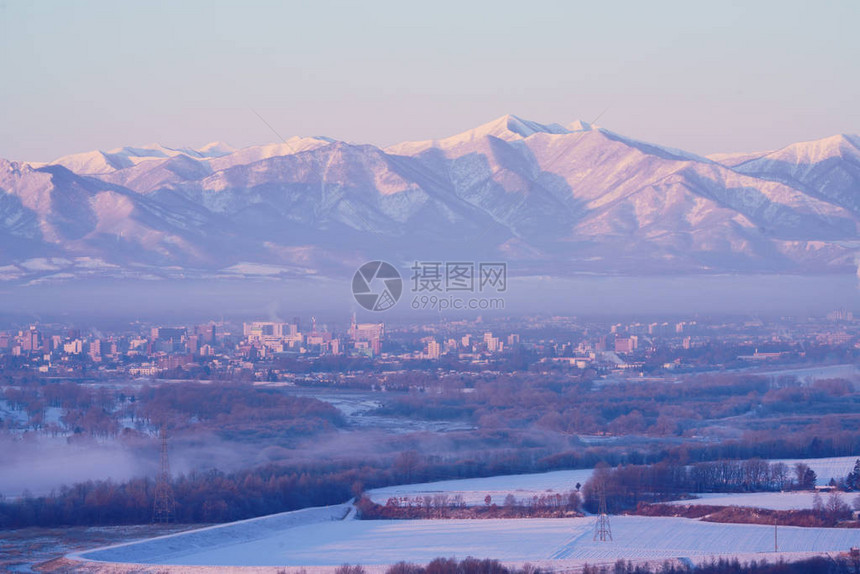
319,538
825,468
330,536
474,490
771,500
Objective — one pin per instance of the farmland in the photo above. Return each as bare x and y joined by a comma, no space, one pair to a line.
331,536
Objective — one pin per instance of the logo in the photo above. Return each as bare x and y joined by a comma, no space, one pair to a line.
377,286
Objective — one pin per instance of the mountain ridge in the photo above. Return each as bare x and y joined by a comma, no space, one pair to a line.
551,199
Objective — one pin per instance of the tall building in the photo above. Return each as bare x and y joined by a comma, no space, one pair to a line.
259,330
74,347
168,333
370,333
206,334
366,331
95,350
433,349
493,343
31,340
626,344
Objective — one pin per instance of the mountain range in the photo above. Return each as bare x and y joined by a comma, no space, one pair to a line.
548,199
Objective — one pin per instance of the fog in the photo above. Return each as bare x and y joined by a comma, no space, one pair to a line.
38,463
100,302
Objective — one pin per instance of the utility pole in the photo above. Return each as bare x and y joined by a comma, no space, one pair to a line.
602,529
164,508
775,539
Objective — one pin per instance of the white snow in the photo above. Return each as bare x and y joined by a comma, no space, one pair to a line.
508,127
825,469
770,500
474,490
543,184
315,537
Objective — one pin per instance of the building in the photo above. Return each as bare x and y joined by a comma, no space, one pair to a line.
626,344
31,340
75,347
259,330
206,334
367,331
433,350
174,334
95,350
493,344
370,333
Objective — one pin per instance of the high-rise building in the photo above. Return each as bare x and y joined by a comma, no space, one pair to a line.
493,343
95,351
262,330
31,340
433,349
173,334
626,344
206,334
75,347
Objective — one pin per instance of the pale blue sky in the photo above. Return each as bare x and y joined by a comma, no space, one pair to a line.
703,76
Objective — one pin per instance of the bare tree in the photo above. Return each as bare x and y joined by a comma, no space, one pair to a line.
836,507
817,503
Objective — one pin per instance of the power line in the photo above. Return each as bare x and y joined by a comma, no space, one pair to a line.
164,508
602,528
274,131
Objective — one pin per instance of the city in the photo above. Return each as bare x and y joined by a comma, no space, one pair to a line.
286,351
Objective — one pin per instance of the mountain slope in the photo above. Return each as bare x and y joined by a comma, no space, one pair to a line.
548,199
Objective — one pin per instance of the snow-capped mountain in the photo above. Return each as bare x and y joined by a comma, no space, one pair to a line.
548,199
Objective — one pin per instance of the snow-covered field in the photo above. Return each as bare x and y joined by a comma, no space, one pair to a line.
825,468
319,537
771,500
474,490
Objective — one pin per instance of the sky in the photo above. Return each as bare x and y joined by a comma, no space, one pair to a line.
702,76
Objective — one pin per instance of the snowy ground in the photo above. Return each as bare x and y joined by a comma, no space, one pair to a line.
825,468
522,486
771,500
473,490
318,537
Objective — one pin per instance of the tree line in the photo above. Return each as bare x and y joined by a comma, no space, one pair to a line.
625,486
845,564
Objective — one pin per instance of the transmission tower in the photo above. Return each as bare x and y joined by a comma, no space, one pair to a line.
165,505
602,529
